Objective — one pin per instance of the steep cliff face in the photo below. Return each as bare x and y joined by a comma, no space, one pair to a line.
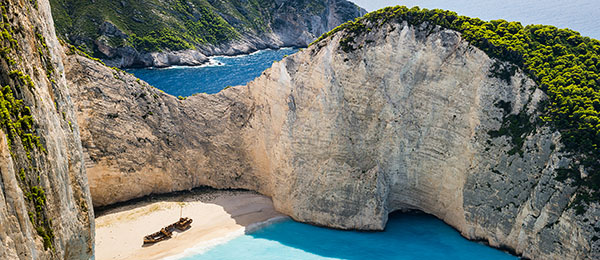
46,210
136,134
413,118
163,33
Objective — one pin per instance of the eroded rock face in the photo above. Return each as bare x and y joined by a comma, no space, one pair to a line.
409,120
134,133
43,192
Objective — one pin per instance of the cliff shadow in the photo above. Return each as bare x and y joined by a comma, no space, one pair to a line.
245,207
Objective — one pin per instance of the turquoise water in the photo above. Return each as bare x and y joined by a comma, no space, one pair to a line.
407,236
223,72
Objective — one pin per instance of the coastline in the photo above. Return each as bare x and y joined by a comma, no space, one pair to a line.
219,216
255,52
211,62
208,62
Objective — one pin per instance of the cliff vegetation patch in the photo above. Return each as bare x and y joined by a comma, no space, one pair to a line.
148,25
156,25
17,122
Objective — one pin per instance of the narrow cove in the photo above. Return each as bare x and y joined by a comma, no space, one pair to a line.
407,235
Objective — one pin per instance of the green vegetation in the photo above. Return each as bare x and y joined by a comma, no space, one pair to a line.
16,119
23,78
37,197
159,40
74,50
8,42
44,55
17,122
147,25
156,25
210,28
565,65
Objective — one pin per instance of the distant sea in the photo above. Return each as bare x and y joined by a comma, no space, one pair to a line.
579,15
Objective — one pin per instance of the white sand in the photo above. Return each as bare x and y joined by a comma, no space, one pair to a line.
217,216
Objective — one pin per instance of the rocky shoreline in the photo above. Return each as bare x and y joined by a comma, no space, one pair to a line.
289,25
181,58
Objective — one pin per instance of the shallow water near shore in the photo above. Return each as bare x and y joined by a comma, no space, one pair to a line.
407,236
220,72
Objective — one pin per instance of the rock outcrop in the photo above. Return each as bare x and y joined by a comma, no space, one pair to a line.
233,28
412,119
46,209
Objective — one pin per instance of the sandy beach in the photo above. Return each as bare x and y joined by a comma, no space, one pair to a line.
218,216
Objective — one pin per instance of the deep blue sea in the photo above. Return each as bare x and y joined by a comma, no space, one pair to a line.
212,78
407,236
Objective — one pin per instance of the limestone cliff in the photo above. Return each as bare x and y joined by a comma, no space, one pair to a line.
408,120
158,33
46,209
